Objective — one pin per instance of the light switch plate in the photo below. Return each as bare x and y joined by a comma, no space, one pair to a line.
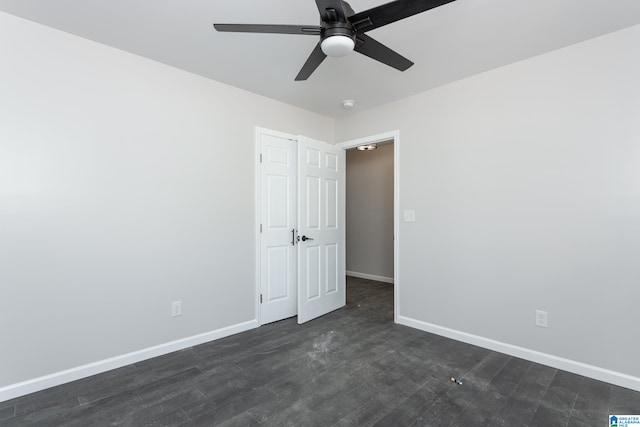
542,318
409,215
176,308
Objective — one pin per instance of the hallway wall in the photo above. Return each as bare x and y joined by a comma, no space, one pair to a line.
369,214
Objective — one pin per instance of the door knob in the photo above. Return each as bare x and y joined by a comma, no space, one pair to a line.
305,238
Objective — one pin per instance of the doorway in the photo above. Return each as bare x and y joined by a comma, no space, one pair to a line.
369,212
392,137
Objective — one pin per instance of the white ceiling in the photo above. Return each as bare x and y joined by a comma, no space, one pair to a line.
451,42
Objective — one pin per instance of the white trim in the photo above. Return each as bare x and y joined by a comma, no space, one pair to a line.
373,139
396,225
381,137
31,386
257,213
370,277
579,368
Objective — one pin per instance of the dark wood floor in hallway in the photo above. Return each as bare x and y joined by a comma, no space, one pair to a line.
352,367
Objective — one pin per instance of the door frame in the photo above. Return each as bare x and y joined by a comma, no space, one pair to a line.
373,139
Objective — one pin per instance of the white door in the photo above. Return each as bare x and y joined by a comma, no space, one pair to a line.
321,228
278,216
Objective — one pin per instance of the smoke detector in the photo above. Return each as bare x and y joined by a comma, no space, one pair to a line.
348,104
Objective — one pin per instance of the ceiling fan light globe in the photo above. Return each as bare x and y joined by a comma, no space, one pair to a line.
336,46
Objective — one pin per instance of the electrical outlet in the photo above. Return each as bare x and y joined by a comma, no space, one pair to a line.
176,308
542,319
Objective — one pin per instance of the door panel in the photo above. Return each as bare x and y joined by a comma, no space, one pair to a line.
332,279
278,189
321,268
331,217
313,202
278,265
312,270
313,157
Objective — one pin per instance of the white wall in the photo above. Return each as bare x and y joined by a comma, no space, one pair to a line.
125,184
369,213
526,186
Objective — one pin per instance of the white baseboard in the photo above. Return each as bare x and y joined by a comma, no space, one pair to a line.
370,277
579,368
31,386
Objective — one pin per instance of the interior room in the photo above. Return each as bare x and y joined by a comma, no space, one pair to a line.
130,222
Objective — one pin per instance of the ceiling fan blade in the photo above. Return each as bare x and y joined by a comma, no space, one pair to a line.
391,12
331,10
376,50
314,60
313,30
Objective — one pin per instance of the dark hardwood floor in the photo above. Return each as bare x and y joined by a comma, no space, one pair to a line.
352,367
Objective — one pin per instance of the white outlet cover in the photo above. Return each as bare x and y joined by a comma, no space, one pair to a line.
409,215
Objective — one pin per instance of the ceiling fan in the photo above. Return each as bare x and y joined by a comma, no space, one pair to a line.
341,30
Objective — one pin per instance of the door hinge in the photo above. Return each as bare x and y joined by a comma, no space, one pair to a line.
261,228
260,157
260,298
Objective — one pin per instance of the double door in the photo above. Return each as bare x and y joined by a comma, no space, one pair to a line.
302,234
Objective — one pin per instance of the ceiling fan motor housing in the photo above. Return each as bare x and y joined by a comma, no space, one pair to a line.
337,34
344,29
337,24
